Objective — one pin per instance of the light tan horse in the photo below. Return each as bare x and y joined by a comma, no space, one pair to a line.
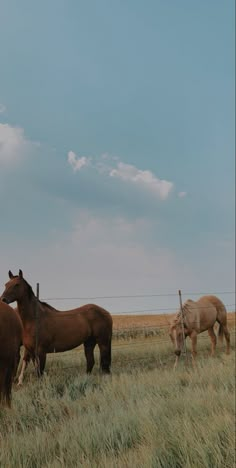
198,317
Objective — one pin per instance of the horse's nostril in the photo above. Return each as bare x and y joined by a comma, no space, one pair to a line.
3,299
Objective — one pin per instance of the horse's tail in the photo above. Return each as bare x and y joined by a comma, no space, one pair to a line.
221,333
6,376
109,344
108,354
221,314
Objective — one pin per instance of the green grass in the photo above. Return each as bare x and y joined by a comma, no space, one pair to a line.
145,415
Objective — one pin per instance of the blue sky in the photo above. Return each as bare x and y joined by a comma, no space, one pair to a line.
117,147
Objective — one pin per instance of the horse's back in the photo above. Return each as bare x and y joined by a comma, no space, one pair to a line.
92,319
206,313
221,313
98,318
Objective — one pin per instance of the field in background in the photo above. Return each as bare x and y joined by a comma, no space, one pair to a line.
133,326
145,415
142,321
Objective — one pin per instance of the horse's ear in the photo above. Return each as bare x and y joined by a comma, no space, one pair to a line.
20,273
10,274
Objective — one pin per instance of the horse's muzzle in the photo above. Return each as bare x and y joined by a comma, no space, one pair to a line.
177,352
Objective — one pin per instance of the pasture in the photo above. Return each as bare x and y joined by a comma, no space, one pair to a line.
144,415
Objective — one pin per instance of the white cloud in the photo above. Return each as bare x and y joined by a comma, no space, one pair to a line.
182,194
2,108
111,166
77,163
160,187
13,144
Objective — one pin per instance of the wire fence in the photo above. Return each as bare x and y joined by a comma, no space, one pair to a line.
135,335
131,347
131,344
126,296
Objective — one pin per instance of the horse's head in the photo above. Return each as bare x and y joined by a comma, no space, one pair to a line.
177,338
14,288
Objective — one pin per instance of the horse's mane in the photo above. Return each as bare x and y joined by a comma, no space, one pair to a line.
30,293
186,308
47,305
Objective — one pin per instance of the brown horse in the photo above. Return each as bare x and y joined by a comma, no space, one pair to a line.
198,317
10,342
59,331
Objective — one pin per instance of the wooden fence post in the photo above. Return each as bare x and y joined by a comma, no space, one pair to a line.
182,322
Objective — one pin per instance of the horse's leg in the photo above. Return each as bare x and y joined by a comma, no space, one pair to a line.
176,362
227,338
105,356
17,363
25,362
212,335
40,362
193,337
89,346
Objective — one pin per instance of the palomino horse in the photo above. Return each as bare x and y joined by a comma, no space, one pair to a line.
198,317
59,331
11,332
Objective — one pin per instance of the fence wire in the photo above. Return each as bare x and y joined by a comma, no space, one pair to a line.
126,296
142,330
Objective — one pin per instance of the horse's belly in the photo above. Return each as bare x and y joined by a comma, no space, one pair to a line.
207,322
69,339
60,347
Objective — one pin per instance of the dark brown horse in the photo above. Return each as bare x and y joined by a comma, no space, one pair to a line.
10,341
59,331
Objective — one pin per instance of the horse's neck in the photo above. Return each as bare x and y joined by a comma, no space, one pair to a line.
27,309
183,316
191,316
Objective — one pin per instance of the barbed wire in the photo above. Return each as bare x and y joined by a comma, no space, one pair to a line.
140,358
118,347
159,309
129,312
133,296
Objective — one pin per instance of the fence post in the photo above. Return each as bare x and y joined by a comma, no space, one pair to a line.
182,322
37,330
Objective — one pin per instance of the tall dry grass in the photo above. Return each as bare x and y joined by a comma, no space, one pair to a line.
145,415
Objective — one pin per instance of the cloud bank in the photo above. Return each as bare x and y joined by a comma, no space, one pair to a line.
13,144
127,173
145,179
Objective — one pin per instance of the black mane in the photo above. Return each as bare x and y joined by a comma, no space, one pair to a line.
47,305
30,293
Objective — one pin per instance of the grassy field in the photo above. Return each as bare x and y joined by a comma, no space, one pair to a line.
145,415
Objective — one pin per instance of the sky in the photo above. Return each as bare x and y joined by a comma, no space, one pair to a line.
117,150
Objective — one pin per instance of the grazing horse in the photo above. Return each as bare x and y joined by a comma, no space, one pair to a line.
59,331
198,317
10,342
